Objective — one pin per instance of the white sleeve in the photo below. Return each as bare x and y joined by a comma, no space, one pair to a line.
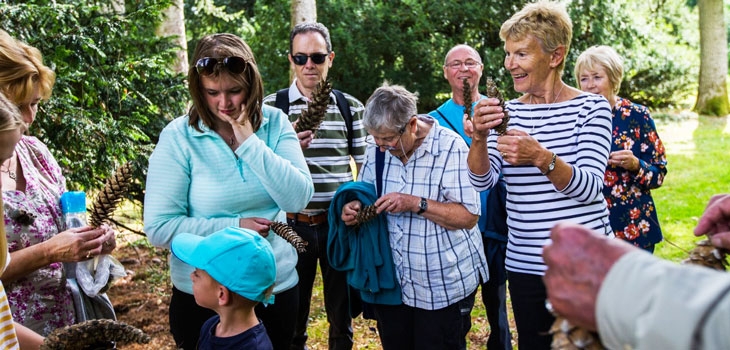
649,303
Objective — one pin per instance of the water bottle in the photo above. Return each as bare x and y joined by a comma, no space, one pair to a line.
73,207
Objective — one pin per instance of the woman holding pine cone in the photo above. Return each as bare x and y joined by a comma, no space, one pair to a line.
432,212
32,184
231,161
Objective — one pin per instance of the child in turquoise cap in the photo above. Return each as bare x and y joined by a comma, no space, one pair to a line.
234,271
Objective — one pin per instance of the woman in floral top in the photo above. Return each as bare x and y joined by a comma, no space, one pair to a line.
32,183
637,163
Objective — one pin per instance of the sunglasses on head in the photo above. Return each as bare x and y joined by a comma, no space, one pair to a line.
317,58
233,64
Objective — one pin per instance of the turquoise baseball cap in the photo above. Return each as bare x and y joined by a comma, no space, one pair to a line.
239,259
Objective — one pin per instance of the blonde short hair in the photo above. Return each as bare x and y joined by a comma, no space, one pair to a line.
605,57
22,70
548,21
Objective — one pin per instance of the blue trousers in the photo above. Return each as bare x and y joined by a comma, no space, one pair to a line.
335,289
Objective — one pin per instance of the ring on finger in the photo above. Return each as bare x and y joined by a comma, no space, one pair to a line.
504,154
88,255
549,306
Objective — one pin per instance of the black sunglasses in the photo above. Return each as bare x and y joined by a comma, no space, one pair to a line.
317,58
233,64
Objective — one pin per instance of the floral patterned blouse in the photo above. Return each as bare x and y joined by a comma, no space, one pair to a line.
40,301
628,194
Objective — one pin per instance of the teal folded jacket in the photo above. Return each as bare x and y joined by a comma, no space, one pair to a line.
363,252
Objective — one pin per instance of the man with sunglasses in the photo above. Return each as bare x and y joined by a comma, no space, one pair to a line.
328,152
463,62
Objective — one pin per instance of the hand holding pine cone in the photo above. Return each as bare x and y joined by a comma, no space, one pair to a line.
316,108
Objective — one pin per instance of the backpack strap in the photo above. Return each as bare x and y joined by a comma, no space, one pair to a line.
447,121
282,100
344,107
379,166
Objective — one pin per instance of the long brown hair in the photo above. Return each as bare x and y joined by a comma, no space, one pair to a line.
220,46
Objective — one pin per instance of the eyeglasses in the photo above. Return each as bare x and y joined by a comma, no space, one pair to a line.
317,58
233,64
388,141
469,64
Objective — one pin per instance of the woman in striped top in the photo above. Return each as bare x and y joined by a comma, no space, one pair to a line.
552,156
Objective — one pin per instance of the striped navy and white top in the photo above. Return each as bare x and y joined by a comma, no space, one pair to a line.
579,132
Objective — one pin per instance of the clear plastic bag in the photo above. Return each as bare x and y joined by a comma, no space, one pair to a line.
95,275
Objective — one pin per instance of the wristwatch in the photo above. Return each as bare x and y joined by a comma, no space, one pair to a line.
551,166
422,206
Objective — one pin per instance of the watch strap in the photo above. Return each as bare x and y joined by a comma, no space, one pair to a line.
551,166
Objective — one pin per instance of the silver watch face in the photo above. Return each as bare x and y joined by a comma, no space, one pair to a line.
423,205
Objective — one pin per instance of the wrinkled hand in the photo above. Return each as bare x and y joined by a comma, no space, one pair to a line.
78,244
624,159
111,243
395,202
487,115
349,212
260,225
715,221
518,147
577,263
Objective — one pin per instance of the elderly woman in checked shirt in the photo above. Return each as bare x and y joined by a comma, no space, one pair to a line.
432,212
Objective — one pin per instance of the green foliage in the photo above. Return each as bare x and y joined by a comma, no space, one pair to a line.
114,91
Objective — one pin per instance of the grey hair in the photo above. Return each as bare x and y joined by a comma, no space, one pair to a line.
389,108
307,27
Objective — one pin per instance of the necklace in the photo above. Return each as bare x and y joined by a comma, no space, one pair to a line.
548,110
11,174
232,141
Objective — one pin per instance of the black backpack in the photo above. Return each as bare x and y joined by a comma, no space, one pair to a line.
282,102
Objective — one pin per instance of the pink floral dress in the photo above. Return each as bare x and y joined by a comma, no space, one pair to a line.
628,194
40,301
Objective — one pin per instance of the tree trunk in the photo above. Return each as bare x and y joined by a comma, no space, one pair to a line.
303,11
174,25
712,96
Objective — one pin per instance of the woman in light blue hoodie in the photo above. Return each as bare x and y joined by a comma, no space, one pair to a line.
231,161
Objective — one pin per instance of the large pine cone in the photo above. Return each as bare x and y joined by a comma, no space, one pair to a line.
493,92
106,201
366,214
93,334
289,235
569,337
466,91
316,108
705,254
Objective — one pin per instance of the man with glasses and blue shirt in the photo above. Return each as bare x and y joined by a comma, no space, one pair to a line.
463,62
328,152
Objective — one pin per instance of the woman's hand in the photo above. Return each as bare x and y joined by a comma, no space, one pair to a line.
349,212
624,159
518,147
395,202
260,225
487,115
111,243
242,127
78,244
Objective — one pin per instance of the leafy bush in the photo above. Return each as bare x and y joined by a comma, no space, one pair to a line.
114,91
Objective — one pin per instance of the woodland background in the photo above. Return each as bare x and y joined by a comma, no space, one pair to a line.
118,83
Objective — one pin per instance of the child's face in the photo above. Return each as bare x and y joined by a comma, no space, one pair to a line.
205,289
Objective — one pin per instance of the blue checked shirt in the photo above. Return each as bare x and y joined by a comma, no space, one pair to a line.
436,267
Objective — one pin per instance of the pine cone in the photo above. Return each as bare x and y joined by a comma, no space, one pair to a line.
366,214
569,337
107,200
288,234
466,91
93,334
316,108
705,254
493,92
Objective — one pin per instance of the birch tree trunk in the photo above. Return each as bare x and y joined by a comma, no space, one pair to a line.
303,11
712,96
174,25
